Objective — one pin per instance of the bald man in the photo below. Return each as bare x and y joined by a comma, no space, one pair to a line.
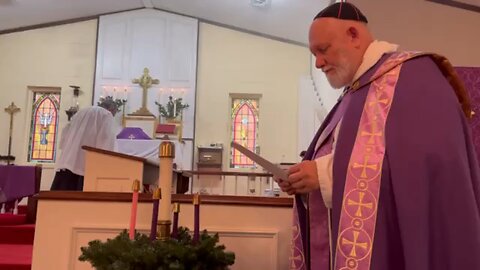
391,180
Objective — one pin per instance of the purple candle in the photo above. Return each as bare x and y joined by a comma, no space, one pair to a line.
176,210
156,198
196,226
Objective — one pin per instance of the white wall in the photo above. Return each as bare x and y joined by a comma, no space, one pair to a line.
416,25
54,56
426,26
235,62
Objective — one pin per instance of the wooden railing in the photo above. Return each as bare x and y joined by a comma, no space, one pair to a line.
232,183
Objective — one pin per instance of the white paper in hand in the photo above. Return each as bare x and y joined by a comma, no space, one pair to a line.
267,165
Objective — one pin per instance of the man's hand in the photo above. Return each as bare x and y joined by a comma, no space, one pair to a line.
303,177
285,186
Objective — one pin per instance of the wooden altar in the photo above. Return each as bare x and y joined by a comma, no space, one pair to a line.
257,229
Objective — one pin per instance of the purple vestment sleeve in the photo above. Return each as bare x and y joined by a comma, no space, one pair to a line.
434,172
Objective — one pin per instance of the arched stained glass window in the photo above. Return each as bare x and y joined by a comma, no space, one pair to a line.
244,130
44,127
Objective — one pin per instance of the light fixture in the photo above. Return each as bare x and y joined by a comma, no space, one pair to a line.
260,3
75,105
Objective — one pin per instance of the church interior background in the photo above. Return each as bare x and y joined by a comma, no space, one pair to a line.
239,85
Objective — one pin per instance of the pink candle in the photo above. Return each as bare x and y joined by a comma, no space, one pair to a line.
156,197
176,210
133,214
196,216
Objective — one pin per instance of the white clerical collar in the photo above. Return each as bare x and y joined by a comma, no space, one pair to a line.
374,52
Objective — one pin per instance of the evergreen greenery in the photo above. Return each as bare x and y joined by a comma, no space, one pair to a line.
172,105
118,103
182,253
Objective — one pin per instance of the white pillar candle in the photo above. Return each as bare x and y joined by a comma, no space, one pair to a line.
166,155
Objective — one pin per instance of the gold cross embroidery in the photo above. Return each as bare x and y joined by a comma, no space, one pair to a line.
360,204
294,260
372,134
353,252
365,166
378,101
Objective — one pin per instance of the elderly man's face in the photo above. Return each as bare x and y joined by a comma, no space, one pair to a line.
333,52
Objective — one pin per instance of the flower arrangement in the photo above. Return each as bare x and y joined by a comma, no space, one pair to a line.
142,253
172,109
118,103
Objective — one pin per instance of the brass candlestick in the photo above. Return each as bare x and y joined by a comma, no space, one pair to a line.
164,229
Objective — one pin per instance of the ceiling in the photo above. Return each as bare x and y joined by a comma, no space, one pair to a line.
282,19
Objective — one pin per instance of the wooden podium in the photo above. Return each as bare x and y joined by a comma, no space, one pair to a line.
109,171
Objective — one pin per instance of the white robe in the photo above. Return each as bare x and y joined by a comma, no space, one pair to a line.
92,126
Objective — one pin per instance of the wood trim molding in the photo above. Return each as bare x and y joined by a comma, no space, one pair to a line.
458,4
61,22
245,95
111,153
45,89
180,198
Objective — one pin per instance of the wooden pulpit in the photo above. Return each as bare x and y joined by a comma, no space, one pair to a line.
109,171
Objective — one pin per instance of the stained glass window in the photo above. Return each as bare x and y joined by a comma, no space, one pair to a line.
244,130
44,127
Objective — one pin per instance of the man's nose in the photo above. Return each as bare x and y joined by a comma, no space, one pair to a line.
319,62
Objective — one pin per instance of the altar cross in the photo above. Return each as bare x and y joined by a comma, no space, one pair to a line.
145,82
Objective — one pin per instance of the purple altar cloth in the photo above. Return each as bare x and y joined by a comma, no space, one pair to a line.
16,182
133,133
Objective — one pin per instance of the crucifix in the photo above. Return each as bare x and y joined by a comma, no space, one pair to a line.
146,82
12,109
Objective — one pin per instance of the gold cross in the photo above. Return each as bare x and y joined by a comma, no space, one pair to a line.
12,109
353,252
372,133
146,82
360,204
365,166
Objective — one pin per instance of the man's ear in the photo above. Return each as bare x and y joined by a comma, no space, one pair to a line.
354,35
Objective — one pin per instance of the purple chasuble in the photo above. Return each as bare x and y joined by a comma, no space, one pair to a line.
428,214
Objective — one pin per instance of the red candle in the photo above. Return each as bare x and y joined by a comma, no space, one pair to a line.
196,226
176,210
156,198
133,214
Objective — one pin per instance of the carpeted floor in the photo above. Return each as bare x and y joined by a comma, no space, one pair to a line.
16,242
15,257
